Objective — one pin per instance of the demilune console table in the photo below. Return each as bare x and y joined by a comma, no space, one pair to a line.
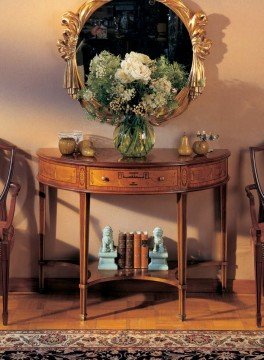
162,172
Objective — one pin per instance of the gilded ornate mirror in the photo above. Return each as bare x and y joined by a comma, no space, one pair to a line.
155,28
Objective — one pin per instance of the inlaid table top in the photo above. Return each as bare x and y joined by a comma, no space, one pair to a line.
110,157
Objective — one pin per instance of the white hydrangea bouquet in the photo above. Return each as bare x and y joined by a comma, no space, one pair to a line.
130,92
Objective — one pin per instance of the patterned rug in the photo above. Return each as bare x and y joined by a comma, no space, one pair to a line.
131,344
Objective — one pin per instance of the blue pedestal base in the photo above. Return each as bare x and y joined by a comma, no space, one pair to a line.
158,261
107,260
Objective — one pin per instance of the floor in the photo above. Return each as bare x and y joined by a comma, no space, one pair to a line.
131,311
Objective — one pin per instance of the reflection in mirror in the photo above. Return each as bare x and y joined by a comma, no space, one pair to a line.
167,27
134,25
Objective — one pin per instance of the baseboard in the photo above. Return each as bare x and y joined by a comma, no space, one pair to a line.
243,286
28,285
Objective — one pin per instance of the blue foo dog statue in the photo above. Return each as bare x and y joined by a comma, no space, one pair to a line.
108,251
159,254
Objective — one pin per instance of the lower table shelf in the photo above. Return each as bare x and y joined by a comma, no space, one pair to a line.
96,276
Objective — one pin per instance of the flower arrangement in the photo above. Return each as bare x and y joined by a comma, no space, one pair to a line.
207,137
131,91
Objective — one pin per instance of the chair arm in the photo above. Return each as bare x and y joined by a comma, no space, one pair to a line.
253,212
14,190
256,148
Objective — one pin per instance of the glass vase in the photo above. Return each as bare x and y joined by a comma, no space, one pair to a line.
134,137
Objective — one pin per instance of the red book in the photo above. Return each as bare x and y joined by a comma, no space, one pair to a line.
137,250
144,250
129,251
121,250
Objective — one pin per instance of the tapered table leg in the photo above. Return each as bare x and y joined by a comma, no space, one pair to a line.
84,246
182,252
223,231
42,221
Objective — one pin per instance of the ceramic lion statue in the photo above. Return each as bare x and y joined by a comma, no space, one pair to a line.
158,240
107,240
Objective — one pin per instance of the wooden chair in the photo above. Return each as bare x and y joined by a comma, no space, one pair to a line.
7,209
257,229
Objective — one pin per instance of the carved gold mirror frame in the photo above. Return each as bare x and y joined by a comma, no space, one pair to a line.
194,23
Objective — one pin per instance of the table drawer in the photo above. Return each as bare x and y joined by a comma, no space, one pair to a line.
136,178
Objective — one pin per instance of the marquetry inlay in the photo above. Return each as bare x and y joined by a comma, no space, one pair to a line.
56,172
183,176
208,174
133,179
82,176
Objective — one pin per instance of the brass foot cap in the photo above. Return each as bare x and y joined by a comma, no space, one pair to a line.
83,317
259,321
5,319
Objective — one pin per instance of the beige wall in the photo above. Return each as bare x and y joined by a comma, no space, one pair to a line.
34,108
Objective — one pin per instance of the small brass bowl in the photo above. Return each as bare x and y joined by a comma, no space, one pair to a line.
67,145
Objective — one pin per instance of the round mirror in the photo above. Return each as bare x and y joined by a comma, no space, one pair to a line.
156,28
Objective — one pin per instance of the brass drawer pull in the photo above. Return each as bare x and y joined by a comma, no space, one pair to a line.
161,178
105,178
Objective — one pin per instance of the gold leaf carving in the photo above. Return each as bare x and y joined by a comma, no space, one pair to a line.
201,47
73,24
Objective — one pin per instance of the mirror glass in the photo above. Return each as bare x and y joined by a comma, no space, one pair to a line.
121,26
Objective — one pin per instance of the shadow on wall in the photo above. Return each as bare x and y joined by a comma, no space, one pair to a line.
52,242
238,109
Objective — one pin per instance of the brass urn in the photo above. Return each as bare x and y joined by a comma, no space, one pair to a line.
200,147
67,145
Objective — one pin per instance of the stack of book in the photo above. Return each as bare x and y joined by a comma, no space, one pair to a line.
133,250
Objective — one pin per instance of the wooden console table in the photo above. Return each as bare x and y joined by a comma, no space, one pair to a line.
162,172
